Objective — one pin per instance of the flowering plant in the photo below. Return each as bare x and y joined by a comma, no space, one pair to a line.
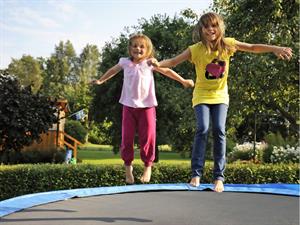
285,154
246,151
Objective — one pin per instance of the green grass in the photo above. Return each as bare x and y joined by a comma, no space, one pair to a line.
102,154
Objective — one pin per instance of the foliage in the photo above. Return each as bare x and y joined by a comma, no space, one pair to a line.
169,36
60,71
270,87
33,156
105,106
87,70
263,91
28,71
246,151
276,139
26,179
23,116
97,133
285,154
75,129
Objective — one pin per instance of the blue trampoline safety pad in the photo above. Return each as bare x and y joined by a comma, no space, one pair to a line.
27,201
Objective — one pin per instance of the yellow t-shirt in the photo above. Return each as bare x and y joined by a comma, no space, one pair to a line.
211,74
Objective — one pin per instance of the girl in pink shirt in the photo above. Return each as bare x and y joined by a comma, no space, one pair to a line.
139,101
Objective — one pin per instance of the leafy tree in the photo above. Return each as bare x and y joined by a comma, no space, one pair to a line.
87,70
60,72
262,86
23,116
175,118
76,130
105,106
28,71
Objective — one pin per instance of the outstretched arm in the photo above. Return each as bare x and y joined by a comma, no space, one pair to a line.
175,76
185,55
108,74
280,52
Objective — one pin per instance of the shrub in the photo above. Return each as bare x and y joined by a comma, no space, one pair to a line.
33,156
99,133
24,116
76,130
275,141
245,151
26,179
285,154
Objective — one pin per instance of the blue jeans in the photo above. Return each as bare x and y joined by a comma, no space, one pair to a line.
218,114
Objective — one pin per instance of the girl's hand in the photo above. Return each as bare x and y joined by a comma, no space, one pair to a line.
283,53
153,62
98,82
188,83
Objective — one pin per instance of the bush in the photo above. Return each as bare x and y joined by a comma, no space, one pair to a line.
33,156
24,116
25,179
275,142
76,130
99,133
285,154
245,151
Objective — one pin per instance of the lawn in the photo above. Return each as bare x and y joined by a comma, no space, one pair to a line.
102,154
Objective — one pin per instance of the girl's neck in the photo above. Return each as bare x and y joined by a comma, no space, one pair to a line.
213,45
137,61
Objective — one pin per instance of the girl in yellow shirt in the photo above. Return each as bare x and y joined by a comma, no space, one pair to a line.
211,55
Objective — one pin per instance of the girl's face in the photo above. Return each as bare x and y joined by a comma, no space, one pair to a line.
138,49
210,32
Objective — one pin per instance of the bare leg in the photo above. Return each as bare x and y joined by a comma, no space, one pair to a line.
195,181
129,175
146,175
219,186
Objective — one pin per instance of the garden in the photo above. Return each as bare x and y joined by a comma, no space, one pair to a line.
263,117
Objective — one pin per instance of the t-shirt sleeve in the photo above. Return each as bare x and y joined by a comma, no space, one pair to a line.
231,42
122,62
193,49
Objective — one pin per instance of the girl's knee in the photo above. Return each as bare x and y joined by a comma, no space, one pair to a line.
202,130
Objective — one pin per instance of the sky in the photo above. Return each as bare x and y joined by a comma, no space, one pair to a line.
35,27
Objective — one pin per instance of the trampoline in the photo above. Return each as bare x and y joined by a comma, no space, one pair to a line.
157,204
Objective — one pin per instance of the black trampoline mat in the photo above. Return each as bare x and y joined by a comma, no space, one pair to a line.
165,208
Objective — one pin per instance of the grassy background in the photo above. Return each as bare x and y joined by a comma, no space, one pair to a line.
103,154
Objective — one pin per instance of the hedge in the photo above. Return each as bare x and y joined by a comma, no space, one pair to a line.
16,180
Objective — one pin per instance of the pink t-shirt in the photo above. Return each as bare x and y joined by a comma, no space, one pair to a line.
138,89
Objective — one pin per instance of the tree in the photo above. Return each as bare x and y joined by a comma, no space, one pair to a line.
261,84
175,116
24,116
28,71
174,113
104,106
87,69
61,72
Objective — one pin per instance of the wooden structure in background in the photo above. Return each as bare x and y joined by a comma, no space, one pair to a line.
67,140
56,137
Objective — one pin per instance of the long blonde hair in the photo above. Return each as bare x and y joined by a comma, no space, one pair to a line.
215,19
150,50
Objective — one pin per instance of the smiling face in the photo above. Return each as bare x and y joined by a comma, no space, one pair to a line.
140,48
210,32
212,27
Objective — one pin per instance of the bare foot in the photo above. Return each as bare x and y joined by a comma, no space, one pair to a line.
195,181
219,186
146,175
129,175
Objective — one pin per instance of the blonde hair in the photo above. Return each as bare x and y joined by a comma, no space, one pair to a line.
150,50
215,20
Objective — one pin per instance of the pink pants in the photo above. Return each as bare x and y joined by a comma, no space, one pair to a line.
144,120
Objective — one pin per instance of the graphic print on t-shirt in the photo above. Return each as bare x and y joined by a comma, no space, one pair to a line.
215,69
